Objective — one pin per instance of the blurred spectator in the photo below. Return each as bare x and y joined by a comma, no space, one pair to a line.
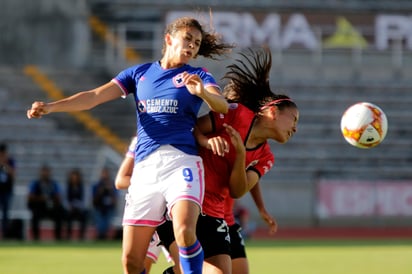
104,203
7,175
45,202
76,211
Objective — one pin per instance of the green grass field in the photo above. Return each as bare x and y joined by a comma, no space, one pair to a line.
265,257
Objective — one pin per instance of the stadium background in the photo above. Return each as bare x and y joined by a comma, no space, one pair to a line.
327,55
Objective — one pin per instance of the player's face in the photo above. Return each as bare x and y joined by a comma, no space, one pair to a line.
185,43
286,124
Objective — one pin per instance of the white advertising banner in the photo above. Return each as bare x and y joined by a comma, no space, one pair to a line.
360,198
308,30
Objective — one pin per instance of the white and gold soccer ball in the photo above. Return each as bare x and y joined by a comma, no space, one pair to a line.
364,125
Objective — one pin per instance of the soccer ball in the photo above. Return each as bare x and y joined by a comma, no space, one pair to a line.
364,125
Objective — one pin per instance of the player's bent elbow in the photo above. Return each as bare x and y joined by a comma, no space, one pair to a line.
221,109
225,108
236,194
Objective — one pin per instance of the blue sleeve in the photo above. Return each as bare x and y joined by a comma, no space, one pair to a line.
127,79
207,78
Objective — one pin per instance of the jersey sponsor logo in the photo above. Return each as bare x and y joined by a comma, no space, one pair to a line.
158,106
178,80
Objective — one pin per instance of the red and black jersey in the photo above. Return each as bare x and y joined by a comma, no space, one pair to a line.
218,169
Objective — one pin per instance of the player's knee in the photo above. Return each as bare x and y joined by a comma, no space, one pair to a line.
185,235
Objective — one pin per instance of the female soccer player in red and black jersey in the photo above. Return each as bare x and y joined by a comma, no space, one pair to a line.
239,90
255,115
248,159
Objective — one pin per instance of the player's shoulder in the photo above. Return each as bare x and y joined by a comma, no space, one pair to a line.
268,151
142,67
240,109
197,70
237,112
138,69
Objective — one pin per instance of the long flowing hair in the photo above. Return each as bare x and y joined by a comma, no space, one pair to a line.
248,82
211,45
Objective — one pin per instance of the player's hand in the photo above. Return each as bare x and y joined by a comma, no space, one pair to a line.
218,145
37,110
193,83
235,138
270,221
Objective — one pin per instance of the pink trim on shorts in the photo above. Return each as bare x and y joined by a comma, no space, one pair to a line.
152,256
201,183
142,222
187,198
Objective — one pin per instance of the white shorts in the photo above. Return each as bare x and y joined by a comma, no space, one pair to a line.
158,182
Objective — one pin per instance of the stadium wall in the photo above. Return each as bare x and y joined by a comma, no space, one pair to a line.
322,80
44,32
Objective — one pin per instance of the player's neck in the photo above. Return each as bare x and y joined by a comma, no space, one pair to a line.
170,63
254,139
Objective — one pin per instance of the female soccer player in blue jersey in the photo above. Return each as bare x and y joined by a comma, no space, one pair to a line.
169,173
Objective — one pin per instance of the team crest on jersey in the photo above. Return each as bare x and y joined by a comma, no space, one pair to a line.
253,163
231,106
141,106
178,80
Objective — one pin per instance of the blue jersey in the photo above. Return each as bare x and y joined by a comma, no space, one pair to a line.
166,111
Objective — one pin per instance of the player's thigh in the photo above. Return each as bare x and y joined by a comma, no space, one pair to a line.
219,264
185,213
240,266
136,240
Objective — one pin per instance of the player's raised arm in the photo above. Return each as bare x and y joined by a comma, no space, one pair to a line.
238,182
210,95
83,100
